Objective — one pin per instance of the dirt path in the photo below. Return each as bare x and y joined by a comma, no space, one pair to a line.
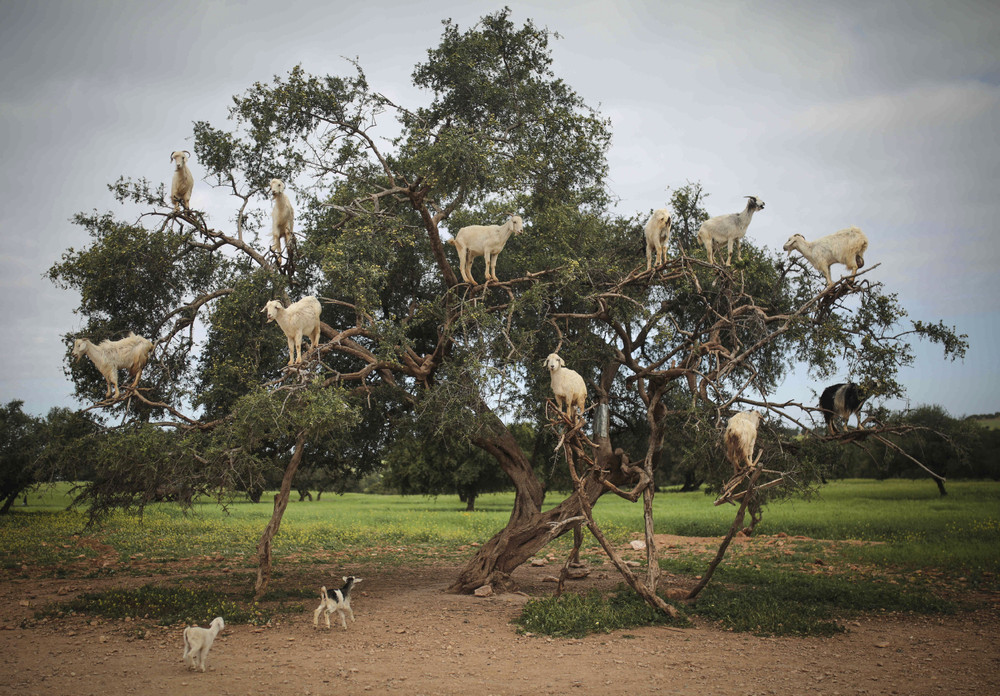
411,638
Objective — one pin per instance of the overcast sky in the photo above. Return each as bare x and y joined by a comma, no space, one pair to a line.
882,115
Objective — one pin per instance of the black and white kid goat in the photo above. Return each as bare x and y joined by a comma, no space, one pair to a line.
337,601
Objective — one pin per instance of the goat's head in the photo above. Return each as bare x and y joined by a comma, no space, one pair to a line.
277,187
517,223
179,158
793,242
754,203
218,623
271,309
79,348
553,362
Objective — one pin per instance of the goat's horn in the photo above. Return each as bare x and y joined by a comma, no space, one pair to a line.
186,152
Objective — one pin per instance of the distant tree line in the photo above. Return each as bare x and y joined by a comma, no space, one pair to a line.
62,446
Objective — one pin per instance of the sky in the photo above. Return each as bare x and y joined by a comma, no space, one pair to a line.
882,115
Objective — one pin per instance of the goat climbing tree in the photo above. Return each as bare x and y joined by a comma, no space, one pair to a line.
667,352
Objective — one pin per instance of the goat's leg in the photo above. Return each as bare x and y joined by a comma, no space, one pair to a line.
465,263
487,258
729,257
291,351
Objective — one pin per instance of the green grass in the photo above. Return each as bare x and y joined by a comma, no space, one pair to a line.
776,599
163,605
920,546
575,615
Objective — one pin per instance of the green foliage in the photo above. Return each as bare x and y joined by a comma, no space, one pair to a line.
419,461
576,615
776,601
20,445
164,605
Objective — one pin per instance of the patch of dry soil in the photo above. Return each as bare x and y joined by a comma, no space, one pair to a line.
412,638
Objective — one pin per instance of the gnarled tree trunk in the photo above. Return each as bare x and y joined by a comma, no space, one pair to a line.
529,529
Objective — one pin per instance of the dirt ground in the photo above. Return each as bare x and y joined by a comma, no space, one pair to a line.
412,638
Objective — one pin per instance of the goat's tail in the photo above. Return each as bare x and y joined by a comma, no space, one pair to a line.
322,593
451,241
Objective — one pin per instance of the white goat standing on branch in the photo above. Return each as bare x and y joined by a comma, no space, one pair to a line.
484,240
846,246
282,217
567,385
297,320
182,183
657,237
726,229
130,353
740,438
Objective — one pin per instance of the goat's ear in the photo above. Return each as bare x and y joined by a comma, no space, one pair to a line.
345,577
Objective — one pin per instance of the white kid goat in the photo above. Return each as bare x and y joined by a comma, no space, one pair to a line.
282,216
740,438
198,641
130,353
182,184
726,229
847,246
567,386
297,320
484,240
657,237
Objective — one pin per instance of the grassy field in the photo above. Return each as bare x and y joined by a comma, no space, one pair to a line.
919,529
920,552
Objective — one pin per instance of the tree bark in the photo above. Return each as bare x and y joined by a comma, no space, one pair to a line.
528,529
280,503
8,502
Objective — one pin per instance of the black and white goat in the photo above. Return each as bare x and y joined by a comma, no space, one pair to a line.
337,601
841,401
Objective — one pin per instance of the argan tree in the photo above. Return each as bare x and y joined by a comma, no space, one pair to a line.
377,184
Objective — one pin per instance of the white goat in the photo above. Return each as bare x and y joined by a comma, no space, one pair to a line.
130,353
183,182
740,438
567,386
846,246
282,216
484,240
297,320
198,641
657,237
726,229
